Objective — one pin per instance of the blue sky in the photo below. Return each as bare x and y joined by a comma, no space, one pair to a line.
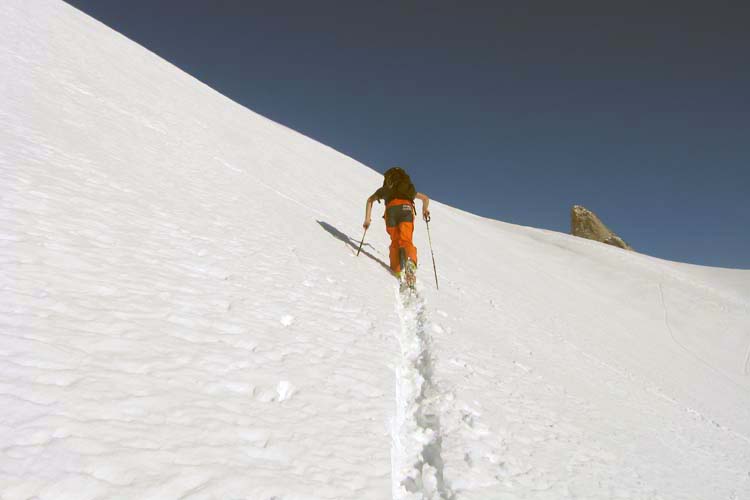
511,110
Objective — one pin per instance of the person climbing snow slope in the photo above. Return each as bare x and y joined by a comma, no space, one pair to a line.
399,194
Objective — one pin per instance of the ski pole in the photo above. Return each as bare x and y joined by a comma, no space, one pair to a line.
427,220
360,243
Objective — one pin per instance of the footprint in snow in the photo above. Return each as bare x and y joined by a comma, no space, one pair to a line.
287,320
285,390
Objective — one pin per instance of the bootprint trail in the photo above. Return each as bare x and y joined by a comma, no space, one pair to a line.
417,438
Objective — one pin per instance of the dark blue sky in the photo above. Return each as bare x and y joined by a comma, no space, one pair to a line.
514,110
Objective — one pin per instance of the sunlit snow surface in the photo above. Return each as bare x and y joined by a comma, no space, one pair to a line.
182,315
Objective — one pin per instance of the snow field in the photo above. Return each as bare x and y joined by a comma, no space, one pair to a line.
551,429
160,336
182,316
195,368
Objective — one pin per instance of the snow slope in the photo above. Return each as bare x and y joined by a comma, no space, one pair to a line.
182,316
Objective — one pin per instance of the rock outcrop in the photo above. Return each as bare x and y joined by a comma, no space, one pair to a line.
586,224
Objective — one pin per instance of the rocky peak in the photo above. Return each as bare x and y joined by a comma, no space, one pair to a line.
586,224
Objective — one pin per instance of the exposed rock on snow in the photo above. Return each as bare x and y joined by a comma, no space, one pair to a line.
586,224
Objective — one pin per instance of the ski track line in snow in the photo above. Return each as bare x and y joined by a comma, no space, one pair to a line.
417,463
287,197
682,346
701,360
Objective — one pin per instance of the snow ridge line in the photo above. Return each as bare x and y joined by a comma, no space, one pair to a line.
417,440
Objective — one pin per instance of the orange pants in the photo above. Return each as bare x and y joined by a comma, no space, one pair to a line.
399,222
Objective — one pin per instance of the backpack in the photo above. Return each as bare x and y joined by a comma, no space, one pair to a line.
398,183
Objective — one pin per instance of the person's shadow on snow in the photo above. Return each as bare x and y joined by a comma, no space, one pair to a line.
351,242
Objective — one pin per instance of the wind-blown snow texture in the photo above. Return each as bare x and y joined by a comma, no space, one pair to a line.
182,316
